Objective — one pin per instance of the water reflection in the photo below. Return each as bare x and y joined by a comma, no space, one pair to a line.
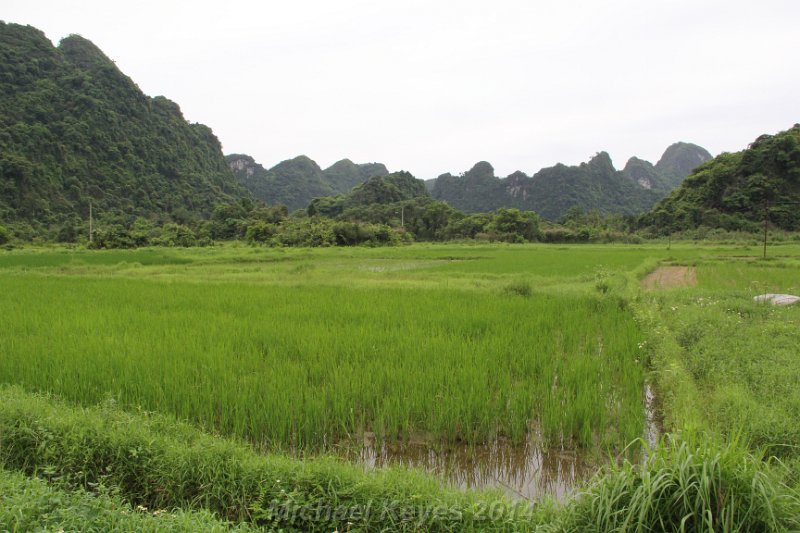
526,471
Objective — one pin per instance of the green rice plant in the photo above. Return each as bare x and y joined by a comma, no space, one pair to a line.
66,257
685,487
305,366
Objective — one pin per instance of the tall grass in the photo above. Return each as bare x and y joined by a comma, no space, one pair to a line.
305,366
685,487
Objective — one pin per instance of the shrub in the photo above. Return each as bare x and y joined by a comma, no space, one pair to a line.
260,232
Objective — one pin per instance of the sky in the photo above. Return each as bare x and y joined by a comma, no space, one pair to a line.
435,86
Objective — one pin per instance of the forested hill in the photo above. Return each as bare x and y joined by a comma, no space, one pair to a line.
75,130
377,191
551,192
735,191
295,182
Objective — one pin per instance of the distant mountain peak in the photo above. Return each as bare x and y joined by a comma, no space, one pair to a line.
343,163
601,162
595,184
82,51
295,182
483,168
641,171
679,160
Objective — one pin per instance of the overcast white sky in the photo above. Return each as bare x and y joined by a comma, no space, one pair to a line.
434,86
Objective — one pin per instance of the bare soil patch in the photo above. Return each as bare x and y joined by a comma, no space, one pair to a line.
670,277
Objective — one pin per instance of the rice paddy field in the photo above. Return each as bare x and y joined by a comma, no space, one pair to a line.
521,367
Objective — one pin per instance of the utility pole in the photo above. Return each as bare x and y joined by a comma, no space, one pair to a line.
403,216
90,222
766,225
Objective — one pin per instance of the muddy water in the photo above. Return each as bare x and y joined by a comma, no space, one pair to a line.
524,472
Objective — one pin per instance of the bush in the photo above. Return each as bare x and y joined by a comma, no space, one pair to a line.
353,233
260,232
113,236
307,232
175,235
4,238
68,233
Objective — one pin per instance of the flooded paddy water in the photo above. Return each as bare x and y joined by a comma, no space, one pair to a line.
527,472
523,471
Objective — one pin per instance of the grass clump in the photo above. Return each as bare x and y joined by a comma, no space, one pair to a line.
518,288
689,488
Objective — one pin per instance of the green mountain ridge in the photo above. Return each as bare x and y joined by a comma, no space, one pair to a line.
296,182
75,130
737,191
552,191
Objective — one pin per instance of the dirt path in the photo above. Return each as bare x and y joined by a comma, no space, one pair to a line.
669,277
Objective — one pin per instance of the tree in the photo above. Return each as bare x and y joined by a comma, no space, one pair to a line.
4,238
260,232
514,225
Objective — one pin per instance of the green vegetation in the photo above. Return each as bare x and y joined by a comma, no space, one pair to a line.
76,131
157,463
740,355
306,348
31,504
686,487
738,191
153,463
157,389
296,182
551,192
317,364
390,189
